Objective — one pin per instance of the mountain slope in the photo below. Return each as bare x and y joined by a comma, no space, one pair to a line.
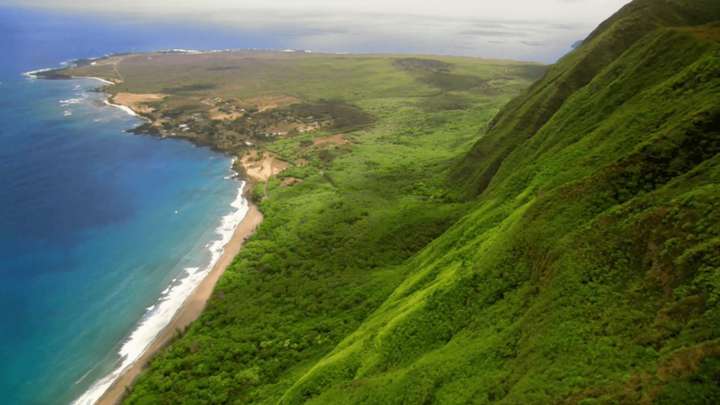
524,116
589,267
352,205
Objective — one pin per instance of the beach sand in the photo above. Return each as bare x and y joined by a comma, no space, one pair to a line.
195,303
137,102
190,310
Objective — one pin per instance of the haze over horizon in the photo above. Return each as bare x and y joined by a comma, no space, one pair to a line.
540,30
360,202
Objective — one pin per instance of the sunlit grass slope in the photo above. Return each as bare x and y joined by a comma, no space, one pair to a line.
340,222
588,270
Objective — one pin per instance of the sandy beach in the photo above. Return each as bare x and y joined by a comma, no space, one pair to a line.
190,310
193,306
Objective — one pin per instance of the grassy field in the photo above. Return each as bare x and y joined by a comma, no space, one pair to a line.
425,245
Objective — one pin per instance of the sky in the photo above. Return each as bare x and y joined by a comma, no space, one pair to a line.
539,30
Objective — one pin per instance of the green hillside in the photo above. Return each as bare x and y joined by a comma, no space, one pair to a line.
572,256
353,205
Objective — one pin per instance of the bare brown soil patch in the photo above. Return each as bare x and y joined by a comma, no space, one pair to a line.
137,102
262,167
290,181
217,115
264,103
337,139
704,33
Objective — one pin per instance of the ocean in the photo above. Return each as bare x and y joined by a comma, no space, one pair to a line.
102,232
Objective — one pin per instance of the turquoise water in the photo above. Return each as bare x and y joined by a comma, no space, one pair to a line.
95,223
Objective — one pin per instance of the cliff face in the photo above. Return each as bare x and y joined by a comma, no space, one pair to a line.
589,268
526,115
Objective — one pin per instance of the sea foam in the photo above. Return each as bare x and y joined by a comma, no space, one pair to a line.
33,73
124,108
159,315
71,101
100,79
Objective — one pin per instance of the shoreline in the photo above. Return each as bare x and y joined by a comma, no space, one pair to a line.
194,304
190,310
125,108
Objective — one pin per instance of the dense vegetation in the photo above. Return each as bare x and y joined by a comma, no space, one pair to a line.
369,191
572,256
588,270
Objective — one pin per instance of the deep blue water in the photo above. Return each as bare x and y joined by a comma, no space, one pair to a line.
94,222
